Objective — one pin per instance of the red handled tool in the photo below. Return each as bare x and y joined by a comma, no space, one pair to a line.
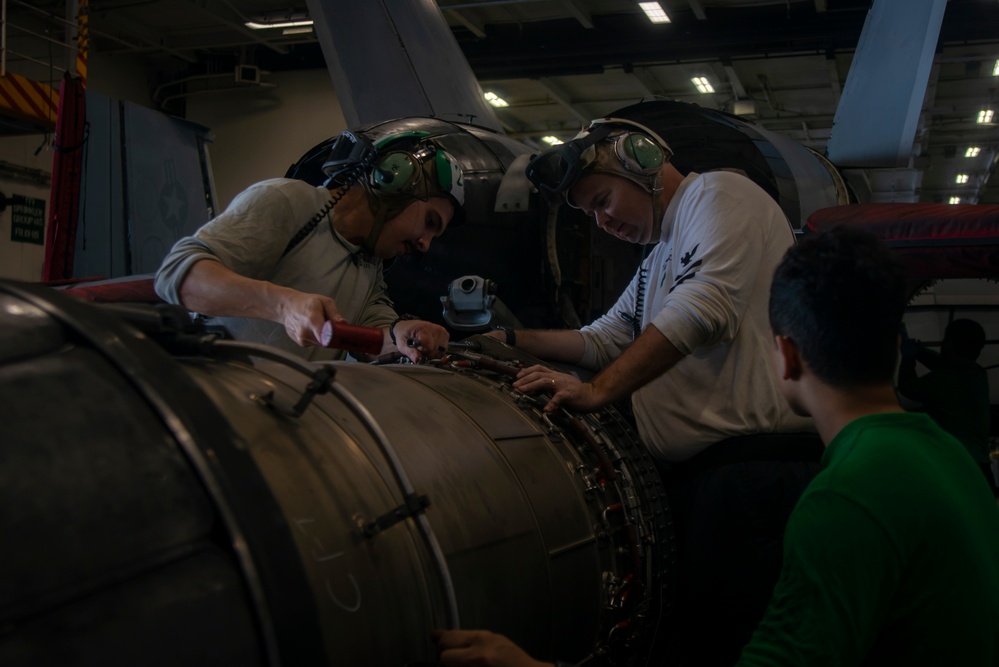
351,337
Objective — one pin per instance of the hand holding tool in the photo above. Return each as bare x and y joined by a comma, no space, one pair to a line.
351,337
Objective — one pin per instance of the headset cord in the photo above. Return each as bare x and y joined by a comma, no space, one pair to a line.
636,319
351,178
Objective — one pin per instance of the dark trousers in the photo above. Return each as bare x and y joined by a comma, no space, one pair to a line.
730,505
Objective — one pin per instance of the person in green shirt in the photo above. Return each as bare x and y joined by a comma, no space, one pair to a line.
891,556
956,390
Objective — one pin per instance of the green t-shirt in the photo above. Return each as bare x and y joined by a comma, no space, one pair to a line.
891,556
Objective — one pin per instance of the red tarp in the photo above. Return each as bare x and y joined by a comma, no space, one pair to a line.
64,194
935,241
131,289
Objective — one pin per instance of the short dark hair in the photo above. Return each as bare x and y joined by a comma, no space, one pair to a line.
840,295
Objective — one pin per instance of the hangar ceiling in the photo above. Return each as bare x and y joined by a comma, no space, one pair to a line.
559,63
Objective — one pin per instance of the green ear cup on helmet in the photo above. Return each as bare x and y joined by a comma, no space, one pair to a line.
443,167
637,148
449,175
411,164
394,172
403,171
639,153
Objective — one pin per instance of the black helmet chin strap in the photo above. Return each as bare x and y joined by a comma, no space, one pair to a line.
368,247
383,204
384,207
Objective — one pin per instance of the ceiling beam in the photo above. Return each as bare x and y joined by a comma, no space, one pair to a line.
562,97
510,121
558,47
473,27
834,82
922,137
579,13
135,38
648,81
768,95
239,26
695,6
738,89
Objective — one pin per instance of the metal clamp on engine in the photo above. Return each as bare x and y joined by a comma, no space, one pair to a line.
415,504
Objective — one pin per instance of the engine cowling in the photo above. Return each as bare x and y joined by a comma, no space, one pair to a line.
173,498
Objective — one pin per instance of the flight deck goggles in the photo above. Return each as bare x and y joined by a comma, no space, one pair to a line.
638,155
557,169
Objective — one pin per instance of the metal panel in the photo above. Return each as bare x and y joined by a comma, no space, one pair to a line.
167,197
145,186
395,58
97,244
877,115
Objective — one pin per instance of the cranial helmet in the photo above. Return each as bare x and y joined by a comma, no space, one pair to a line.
395,171
407,164
609,145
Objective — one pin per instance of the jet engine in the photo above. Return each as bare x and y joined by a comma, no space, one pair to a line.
168,497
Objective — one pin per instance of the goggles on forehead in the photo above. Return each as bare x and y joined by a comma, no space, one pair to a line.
639,154
556,170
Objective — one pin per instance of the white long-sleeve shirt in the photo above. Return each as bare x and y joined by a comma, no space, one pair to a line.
707,290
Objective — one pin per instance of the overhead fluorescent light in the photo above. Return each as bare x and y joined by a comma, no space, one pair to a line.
995,68
495,100
278,24
551,140
702,84
300,30
655,12
985,116
972,151
961,178
954,200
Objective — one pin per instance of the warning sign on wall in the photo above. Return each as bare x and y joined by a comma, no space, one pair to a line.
27,220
